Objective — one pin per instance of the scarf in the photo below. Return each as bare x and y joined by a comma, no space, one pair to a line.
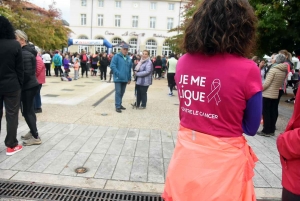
137,68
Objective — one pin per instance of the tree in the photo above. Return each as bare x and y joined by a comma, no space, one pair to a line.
278,26
175,42
43,27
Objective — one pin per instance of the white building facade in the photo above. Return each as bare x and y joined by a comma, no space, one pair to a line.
125,20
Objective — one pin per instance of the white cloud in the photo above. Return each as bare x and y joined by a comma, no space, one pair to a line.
63,5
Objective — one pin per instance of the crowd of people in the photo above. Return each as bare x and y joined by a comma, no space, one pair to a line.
211,130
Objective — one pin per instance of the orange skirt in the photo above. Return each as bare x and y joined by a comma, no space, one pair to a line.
208,168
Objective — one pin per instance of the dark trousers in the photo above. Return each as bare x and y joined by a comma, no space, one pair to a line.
120,88
12,106
158,72
56,69
103,71
171,81
281,92
27,99
84,69
37,98
48,69
270,110
141,95
288,196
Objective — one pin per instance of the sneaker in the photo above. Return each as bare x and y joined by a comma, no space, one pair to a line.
27,136
118,110
38,110
32,141
122,107
12,151
170,94
260,133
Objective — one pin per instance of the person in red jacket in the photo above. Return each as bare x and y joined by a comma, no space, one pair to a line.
41,78
289,150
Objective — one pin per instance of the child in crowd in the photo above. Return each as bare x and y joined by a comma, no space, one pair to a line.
67,63
76,67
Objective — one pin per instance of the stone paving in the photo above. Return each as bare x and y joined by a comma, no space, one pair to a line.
118,157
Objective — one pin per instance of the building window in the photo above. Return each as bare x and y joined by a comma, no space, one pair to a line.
83,19
166,50
152,22
118,4
153,6
114,42
117,20
100,48
133,44
83,2
100,20
151,45
170,23
135,21
101,3
81,48
171,6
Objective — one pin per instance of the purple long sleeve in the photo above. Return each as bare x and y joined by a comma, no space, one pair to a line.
252,115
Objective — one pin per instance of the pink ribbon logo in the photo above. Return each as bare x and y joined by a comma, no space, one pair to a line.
214,94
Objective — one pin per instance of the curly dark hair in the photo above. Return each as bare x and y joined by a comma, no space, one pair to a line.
6,29
221,26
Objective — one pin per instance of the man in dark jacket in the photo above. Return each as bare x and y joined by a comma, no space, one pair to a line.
29,89
11,81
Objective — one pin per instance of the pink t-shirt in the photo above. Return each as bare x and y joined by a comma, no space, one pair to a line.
213,92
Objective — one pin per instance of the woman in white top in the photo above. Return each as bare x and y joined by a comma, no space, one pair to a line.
47,61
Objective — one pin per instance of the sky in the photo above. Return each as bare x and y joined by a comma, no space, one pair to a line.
63,5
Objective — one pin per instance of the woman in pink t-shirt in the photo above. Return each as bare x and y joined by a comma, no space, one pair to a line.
220,96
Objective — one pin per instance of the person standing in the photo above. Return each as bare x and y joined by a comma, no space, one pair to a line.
29,89
157,65
143,73
47,61
273,82
121,67
289,150
57,60
212,160
83,63
11,82
40,75
172,63
103,66
95,59
164,66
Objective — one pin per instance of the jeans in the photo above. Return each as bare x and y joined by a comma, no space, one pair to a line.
12,106
157,72
288,196
76,74
27,99
270,107
120,90
141,95
56,69
37,99
48,69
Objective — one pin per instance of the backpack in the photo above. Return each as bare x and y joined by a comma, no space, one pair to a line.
56,60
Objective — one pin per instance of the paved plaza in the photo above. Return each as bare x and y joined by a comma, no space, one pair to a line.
127,152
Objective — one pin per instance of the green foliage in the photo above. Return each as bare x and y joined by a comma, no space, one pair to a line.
279,25
44,28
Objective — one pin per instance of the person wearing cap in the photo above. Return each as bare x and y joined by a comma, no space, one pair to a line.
121,66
